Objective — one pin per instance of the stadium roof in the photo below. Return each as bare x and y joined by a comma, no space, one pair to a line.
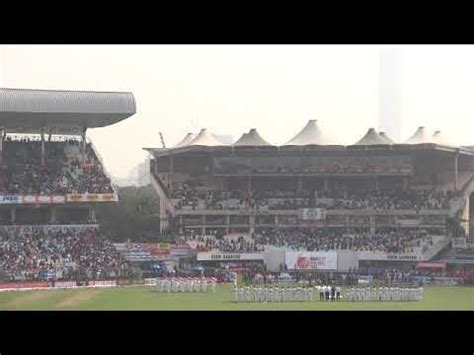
205,138
371,138
384,136
251,139
419,137
186,140
61,111
309,135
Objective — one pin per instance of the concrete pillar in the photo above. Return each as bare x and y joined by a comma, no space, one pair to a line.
372,223
53,215
227,223
252,224
277,220
42,146
181,229
299,184
13,214
203,228
455,183
326,185
465,216
376,183
92,216
171,173
1,145
84,145
405,183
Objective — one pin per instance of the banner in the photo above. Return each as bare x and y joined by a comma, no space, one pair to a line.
23,284
228,256
180,250
102,283
91,197
312,214
10,199
65,284
47,228
37,199
311,260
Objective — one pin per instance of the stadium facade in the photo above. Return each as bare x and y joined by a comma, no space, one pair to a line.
302,174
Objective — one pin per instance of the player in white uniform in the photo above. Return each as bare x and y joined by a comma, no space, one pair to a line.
168,285
159,285
236,294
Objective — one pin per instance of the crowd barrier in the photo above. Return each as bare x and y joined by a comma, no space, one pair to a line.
32,285
23,284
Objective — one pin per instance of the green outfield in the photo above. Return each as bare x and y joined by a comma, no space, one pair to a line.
145,298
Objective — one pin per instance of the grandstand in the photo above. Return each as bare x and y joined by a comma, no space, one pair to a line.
51,179
382,201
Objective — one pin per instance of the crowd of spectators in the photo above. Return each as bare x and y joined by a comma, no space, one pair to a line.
23,171
310,239
228,245
386,240
69,254
187,196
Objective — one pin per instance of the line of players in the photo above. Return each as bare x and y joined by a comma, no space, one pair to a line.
385,294
184,285
273,294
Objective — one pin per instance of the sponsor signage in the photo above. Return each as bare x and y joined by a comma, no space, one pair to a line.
311,260
91,197
23,284
47,228
406,257
10,199
30,199
312,214
180,250
228,256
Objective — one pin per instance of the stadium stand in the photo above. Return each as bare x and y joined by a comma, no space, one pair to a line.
51,177
383,200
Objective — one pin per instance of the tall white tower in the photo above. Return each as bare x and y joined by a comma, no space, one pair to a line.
390,103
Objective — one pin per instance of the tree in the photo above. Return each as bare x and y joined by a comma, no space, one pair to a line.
134,217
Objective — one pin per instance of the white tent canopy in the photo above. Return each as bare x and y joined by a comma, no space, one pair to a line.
251,139
384,136
438,138
371,138
205,138
420,136
185,141
309,135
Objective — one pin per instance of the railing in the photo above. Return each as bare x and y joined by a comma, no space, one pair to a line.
328,212
437,247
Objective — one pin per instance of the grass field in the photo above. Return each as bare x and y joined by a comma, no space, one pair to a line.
145,298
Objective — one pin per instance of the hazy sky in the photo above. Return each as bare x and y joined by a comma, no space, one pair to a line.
230,89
